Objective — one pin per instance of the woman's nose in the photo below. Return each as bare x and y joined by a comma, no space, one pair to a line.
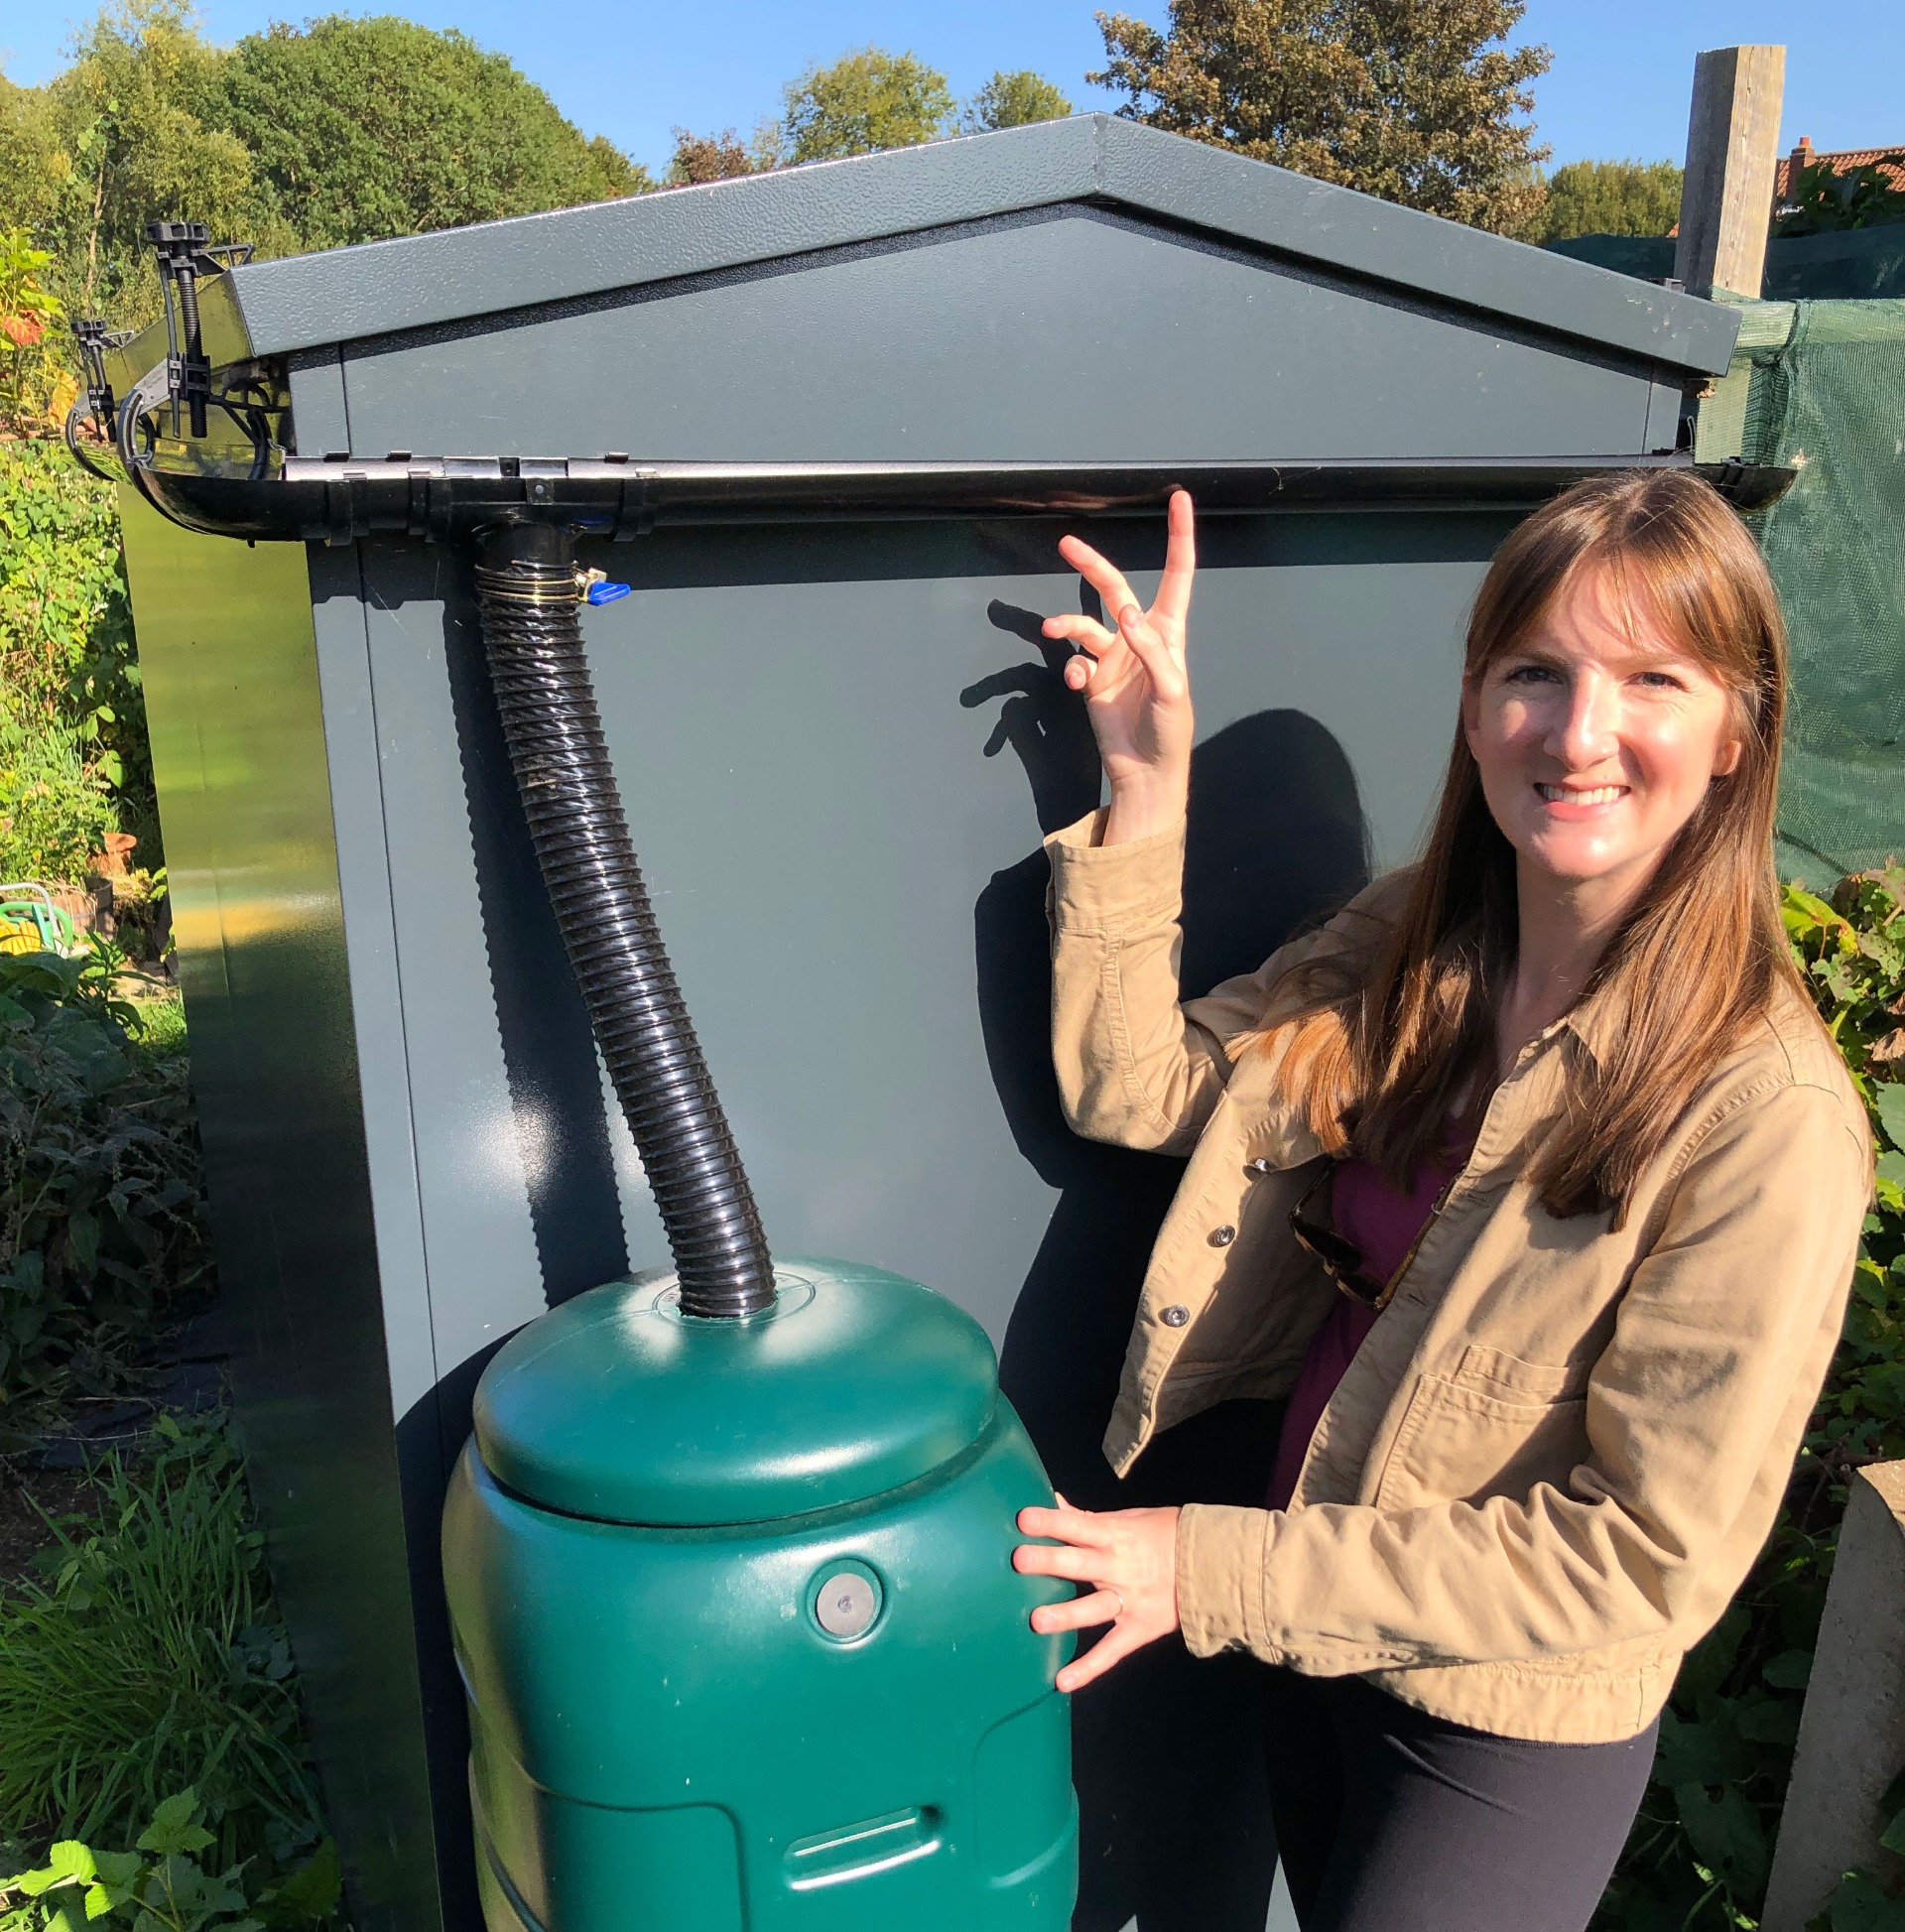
1583,732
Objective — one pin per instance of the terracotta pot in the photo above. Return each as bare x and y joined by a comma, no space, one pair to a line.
113,862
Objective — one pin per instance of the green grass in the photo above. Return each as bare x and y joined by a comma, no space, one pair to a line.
150,1660
161,1030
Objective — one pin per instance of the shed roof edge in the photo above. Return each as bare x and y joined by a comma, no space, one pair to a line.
308,302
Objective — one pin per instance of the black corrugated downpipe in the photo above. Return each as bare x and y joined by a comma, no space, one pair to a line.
527,598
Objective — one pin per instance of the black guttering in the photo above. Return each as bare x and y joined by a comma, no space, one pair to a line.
446,499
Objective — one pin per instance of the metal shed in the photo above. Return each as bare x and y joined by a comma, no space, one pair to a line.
838,414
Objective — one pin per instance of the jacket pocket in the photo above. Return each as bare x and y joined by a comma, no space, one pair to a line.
1463,1443
1498,1373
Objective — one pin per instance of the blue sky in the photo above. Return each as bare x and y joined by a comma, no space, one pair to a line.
631,70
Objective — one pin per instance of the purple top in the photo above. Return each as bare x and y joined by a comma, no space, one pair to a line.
1383,1224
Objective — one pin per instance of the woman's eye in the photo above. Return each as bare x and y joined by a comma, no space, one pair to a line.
1533,674
1660,681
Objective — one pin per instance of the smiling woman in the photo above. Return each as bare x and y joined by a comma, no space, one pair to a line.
1591,1179
1598,737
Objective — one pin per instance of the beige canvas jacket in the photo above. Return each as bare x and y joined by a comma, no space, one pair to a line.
1560,1448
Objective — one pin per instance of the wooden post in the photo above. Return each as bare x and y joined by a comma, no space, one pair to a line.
1732,153
1851,1732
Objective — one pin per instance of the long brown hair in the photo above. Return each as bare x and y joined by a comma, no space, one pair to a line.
1381,1051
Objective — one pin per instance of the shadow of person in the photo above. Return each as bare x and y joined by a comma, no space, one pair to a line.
1167,1750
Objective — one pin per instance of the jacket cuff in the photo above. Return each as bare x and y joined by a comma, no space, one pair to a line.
1220,1558
1111,888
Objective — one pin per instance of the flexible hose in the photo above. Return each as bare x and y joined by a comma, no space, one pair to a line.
526,595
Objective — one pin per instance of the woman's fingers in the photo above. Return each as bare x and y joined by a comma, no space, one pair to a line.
1078,1613
1101,661
1058,1560
1179,560
1113,1647
1161,664
1074,627
1100,573
1128,1557
1065,1522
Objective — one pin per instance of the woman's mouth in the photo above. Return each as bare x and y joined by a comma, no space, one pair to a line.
1581,795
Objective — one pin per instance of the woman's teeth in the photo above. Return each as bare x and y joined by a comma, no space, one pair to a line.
1568,794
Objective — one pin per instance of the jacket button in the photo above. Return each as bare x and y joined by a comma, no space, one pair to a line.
1223,1236
1174,1315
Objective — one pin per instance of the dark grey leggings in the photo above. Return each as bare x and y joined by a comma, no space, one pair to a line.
1389,1820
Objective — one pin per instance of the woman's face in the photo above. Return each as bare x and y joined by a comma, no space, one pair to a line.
1597,738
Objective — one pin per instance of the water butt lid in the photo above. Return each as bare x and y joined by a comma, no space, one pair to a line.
616,1406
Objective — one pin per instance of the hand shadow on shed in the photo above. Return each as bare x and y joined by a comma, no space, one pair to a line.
1175,1824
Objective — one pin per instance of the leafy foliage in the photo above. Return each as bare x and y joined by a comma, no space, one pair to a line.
147,1651
166,1890
1013,99
1823,201
1417,104
342,130
147,1656
32,390
864,101
54,806
359,129
31,184
710,157
1702,1849
130,131
74,756
101,1192
1607,197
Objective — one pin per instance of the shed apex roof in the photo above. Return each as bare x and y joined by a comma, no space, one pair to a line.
305,302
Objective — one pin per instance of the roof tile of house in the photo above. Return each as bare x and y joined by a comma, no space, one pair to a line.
1842,162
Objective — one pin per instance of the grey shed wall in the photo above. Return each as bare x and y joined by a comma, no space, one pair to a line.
840,746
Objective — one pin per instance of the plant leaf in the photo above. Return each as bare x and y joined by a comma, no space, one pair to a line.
174,1829
1789,1671
1888,1103
69,1863
1894,1835
311,1894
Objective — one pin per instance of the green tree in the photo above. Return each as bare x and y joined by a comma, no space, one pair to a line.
1607,197
1013,99
135,135
1414,100
344,130
613,175
359,129
864,101
32,166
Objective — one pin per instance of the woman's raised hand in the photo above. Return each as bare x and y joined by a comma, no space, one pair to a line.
1138,693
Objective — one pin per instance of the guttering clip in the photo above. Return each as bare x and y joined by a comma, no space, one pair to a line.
185,253
95,401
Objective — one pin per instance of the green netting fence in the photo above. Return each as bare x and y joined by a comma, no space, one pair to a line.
1820,385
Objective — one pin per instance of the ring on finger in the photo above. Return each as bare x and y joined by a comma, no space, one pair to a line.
1119,1598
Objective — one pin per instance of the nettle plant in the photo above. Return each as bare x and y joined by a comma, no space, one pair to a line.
160,1886
1701,1849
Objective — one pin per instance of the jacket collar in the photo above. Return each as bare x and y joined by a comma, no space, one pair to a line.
1591,1021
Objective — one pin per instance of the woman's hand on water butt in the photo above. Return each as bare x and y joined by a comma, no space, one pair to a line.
1127,1561
1137,693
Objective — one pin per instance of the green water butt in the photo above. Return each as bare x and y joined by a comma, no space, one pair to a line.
735,1610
